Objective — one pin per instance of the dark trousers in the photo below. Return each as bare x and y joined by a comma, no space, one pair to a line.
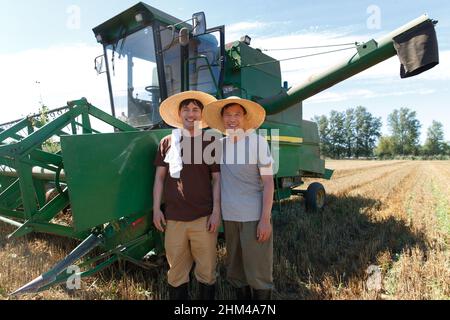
248,262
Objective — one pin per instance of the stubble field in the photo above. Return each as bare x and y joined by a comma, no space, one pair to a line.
384,234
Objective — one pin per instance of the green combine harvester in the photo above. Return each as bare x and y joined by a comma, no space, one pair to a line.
65,177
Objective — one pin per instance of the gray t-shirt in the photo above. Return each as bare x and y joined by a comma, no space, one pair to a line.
241,184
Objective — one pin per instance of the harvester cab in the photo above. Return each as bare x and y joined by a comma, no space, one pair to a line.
150,55
62,176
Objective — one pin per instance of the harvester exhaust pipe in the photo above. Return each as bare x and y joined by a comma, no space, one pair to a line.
85,247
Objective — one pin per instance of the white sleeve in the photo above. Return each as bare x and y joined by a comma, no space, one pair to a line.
265,159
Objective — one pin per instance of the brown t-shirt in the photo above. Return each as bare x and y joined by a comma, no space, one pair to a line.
190,197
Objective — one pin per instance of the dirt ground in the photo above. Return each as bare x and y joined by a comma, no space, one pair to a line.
384,234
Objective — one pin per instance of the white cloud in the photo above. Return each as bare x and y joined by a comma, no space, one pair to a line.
65,73
245,26
333,96
235,31
327,96
294,71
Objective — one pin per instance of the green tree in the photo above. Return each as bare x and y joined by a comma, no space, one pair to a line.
323,125
49,145
337,133
405,129
43,118
435,144
386,147
447,148
349,132
367,131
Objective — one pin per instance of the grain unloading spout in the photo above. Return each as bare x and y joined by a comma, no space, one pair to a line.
84,248
420,30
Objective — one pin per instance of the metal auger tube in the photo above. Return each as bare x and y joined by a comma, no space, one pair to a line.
365,57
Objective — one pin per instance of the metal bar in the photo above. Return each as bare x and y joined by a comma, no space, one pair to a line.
30,128
8,149
89,129
34,163
53,207
64,277
108,75
16,137
44,175
184,54
49,277
119,248
209,68
101,115
6,162
47,157
14,129
33,116
62,133
57,229
21,231
11,222
38,137
278,194
12,213
82,126
221,30
137,262
186,75
39,187
10,191
27,189
131,244
73,125
160,60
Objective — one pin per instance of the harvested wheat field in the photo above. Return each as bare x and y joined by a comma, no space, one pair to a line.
384,234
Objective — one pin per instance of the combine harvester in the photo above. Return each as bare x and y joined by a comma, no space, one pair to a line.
101,183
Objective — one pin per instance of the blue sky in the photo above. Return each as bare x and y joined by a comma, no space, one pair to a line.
41,42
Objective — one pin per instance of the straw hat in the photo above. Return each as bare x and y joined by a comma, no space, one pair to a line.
169,109
254,118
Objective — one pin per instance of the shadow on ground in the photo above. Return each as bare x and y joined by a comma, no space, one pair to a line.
341,241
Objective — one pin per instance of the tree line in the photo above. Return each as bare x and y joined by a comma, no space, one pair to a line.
356,133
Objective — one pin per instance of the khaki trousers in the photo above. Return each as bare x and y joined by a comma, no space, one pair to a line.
186,243
249,263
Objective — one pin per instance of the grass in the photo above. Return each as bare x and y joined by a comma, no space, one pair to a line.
442,210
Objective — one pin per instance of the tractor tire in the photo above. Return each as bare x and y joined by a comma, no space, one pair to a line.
315,197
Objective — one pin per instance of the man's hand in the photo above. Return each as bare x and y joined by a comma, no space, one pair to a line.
214,221
158,220
264,230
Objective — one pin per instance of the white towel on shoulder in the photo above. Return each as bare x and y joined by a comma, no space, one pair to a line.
173,157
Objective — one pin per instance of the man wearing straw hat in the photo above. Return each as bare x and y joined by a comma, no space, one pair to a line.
246,196
191,191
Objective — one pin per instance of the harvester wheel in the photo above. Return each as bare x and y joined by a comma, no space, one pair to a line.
315,197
